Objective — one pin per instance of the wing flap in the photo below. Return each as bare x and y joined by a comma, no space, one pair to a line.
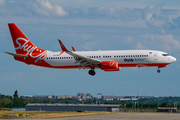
80,59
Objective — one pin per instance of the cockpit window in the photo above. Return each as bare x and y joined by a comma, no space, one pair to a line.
165,54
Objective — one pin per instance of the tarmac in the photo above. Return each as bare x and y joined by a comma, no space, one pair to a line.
122,116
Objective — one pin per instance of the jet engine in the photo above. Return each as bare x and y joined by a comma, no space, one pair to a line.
109,66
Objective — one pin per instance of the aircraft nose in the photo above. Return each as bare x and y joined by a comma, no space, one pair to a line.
173,59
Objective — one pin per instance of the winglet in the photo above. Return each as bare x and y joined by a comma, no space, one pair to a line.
73,49
62,47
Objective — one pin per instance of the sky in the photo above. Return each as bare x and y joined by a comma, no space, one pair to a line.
91,25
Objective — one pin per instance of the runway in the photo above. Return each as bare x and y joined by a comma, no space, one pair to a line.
123,116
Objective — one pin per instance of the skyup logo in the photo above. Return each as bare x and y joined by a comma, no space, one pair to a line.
30,50
128,60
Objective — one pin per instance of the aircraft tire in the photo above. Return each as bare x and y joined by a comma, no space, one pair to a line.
92,72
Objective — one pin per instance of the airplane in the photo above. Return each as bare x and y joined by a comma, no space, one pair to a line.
112,60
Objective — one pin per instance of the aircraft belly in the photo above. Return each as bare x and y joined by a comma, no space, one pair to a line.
61,62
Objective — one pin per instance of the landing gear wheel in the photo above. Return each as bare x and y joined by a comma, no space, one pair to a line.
92,72
158,71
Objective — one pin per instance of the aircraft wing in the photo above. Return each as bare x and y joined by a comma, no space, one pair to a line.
84,61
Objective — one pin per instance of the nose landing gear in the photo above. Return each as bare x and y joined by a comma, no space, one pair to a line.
92,72
158,70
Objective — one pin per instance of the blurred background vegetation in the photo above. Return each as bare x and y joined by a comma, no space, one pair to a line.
9,102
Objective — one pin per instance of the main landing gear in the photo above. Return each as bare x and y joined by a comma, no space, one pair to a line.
92,72
158,70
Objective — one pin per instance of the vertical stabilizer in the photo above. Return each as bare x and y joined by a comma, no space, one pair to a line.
21,43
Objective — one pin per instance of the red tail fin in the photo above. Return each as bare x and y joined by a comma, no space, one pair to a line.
24,46
21,43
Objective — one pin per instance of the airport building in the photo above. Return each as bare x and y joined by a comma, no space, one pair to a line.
18,109
167,109
82,96
64,97
73,107
120,98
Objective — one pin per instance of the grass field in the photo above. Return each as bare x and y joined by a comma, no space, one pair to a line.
50,114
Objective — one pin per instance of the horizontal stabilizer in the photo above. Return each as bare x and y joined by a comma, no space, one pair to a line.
17,55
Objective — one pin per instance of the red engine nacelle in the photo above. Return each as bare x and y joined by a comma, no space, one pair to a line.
109,66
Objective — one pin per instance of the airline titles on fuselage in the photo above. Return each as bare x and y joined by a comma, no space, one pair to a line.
136,59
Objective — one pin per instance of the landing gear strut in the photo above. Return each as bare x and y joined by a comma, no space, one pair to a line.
92,72
158,70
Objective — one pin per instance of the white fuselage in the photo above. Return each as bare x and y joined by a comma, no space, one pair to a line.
125,58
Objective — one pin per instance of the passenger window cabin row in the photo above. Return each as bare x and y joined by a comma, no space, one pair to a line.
93,56
60,57
116,56
98,56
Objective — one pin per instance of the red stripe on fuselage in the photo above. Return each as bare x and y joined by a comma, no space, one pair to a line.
144,65
42,63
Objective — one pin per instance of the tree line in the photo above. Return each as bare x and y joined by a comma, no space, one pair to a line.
9,102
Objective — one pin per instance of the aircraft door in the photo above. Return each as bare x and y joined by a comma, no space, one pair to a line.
155,56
